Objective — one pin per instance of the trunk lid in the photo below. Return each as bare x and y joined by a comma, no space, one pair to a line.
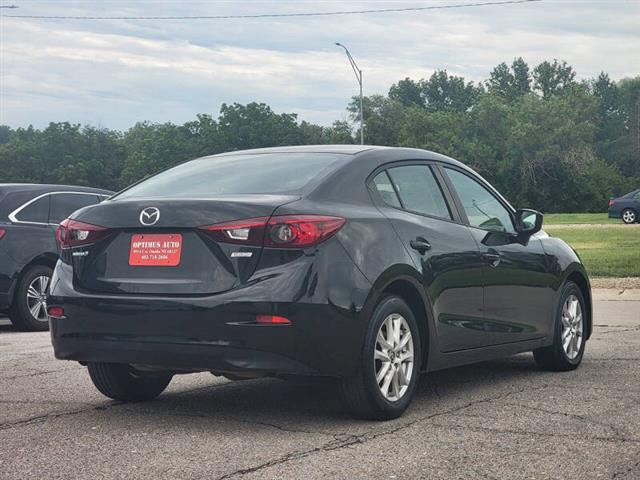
195,264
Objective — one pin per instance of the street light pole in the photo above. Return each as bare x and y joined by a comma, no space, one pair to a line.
358,73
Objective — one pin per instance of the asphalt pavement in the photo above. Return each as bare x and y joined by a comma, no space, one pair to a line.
496,420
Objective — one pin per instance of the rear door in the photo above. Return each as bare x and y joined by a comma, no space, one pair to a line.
443,250
518,294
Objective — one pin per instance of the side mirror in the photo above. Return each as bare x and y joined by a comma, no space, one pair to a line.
528,222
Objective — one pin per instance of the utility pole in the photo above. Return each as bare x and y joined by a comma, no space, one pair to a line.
358,73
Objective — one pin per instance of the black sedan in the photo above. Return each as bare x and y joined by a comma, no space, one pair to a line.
626,207
29,217
368,264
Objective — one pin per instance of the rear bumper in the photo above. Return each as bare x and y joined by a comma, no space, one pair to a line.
219,332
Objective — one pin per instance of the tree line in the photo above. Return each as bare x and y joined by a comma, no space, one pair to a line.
540,136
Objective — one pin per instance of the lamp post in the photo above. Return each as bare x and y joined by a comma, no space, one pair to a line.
358,73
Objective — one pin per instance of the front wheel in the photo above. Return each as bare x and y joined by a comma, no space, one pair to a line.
569,341
629,216
390,364
121,381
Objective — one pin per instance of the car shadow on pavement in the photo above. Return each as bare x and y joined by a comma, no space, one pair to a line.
280,402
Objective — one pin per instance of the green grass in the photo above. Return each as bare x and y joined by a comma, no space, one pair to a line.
606,252
564,218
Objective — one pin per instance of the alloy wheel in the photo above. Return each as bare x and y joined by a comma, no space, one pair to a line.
37,298
628,216
393,357
572,327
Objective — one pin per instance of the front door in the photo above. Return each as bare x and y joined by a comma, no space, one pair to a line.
518,294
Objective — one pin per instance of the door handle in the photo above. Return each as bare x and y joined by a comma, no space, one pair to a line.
492,259
421,245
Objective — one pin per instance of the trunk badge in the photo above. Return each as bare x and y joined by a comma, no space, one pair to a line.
149,216
241,254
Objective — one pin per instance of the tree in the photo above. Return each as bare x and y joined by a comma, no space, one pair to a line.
448,92
553,78
407,92
509,84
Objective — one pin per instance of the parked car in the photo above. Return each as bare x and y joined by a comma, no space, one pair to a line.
369,264
29,217
626,207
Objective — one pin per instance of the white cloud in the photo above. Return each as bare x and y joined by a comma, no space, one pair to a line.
115,73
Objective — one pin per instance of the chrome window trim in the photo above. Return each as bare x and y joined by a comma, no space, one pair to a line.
12,215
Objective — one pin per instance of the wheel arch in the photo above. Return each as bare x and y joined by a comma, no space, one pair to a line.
47,259
581,279
403,281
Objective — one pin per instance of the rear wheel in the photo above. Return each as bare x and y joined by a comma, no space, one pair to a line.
629,215
569,342
121,381
29,309
390,364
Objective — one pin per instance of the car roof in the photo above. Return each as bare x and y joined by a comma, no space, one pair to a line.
359,151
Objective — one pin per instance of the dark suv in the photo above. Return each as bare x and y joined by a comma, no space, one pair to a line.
29,216
626,207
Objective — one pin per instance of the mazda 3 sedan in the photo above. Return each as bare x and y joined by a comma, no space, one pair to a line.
368,264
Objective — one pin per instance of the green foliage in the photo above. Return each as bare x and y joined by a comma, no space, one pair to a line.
545,140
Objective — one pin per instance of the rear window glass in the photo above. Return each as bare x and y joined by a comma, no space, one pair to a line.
64,204
238,174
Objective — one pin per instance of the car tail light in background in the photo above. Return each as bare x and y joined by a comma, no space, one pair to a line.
272,320
282,231
72,233
612,202
2,232
55,311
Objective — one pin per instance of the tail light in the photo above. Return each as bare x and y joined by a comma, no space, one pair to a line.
612,202
72,233
282,231
55,311
2,232
272,320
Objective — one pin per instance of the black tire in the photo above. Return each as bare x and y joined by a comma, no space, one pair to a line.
361,393
19,312
554,358
629,216
121,382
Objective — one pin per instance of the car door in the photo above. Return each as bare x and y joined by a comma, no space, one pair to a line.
518,289
443,250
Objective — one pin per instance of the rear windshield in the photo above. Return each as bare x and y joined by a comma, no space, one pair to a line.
238,174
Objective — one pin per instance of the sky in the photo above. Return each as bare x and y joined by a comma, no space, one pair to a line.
114,73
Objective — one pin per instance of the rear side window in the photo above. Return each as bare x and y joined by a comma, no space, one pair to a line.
419,190
37,211
239,174
64,204
383,185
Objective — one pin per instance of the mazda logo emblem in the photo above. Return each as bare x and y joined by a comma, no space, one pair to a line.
149,216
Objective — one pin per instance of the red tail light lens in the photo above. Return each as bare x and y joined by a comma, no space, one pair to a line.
72,233
612,202
300,230
282,231
2,232
272,320
55,311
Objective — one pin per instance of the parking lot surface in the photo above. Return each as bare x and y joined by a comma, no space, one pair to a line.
497,420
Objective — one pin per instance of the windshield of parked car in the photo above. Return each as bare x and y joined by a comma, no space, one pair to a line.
238,174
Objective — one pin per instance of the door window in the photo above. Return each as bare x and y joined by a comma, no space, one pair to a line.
64,204
482,208
419,191
37,211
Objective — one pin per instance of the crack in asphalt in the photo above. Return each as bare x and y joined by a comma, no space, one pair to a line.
35,374
350,440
